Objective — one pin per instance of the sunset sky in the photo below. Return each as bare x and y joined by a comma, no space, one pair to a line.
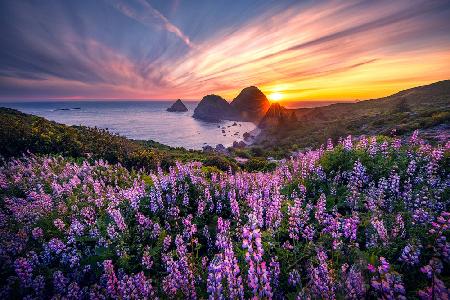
148,49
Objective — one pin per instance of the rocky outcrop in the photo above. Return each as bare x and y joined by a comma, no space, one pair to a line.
276,116
251,104
214,108
178,106
240,144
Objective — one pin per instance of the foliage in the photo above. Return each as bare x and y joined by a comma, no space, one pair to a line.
20,133
426,108
366,218
259,164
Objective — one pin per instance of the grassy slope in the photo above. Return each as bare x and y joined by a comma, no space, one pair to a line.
422,107
21,132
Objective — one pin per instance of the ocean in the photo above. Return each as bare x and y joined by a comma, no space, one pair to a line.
142,120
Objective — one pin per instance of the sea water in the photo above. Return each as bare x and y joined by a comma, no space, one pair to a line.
141,120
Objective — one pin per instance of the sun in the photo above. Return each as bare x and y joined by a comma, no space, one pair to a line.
276,96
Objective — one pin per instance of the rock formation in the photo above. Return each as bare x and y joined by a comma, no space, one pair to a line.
277,115
251,104
214,108
178,106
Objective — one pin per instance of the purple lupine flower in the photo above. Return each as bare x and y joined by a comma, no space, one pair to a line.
167,242
258,279
275,272
442,248
410,254
56,246
380,229
354,286
118,218
24,270
347,143
320,212
329,145
321,278
59,224
373,147
294,278
180,276
60,282
74,291
135,286
229,262
399,229
214,282
334,228
437,290
350,227
386,283
358,179
37,233
147,261
111,280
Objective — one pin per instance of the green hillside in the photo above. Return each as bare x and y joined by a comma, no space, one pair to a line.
426,108
21,132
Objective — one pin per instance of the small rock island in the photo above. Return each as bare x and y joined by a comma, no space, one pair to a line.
178,106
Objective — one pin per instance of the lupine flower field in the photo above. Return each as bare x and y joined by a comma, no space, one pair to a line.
367,218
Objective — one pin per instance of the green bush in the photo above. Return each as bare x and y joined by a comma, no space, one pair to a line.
259,164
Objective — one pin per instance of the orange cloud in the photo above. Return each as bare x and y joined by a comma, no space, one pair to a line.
328,51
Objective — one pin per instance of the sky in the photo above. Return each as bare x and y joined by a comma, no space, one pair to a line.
168,49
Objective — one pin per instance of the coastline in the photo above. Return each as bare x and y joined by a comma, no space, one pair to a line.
253,136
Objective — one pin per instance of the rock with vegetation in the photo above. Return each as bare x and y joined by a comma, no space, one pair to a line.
214,108
426,108
178,106
276,116
251,104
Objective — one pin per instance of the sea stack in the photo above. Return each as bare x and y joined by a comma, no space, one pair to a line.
214,108
251,104
178,106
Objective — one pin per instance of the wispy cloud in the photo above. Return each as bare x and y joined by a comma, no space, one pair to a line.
323,50
314,46
149,16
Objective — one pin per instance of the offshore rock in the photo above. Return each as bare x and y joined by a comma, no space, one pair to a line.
178,106
214,108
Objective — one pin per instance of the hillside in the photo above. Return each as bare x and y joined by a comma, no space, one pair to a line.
20,133
348,222
426,108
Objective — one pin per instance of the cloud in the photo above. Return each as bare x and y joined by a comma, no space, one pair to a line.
306,46
320,50
149,16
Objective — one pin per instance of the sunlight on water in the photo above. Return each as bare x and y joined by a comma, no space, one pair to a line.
141,120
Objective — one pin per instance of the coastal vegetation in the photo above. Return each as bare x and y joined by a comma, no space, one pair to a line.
365,218
85,213
309,158
426,108
21,133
